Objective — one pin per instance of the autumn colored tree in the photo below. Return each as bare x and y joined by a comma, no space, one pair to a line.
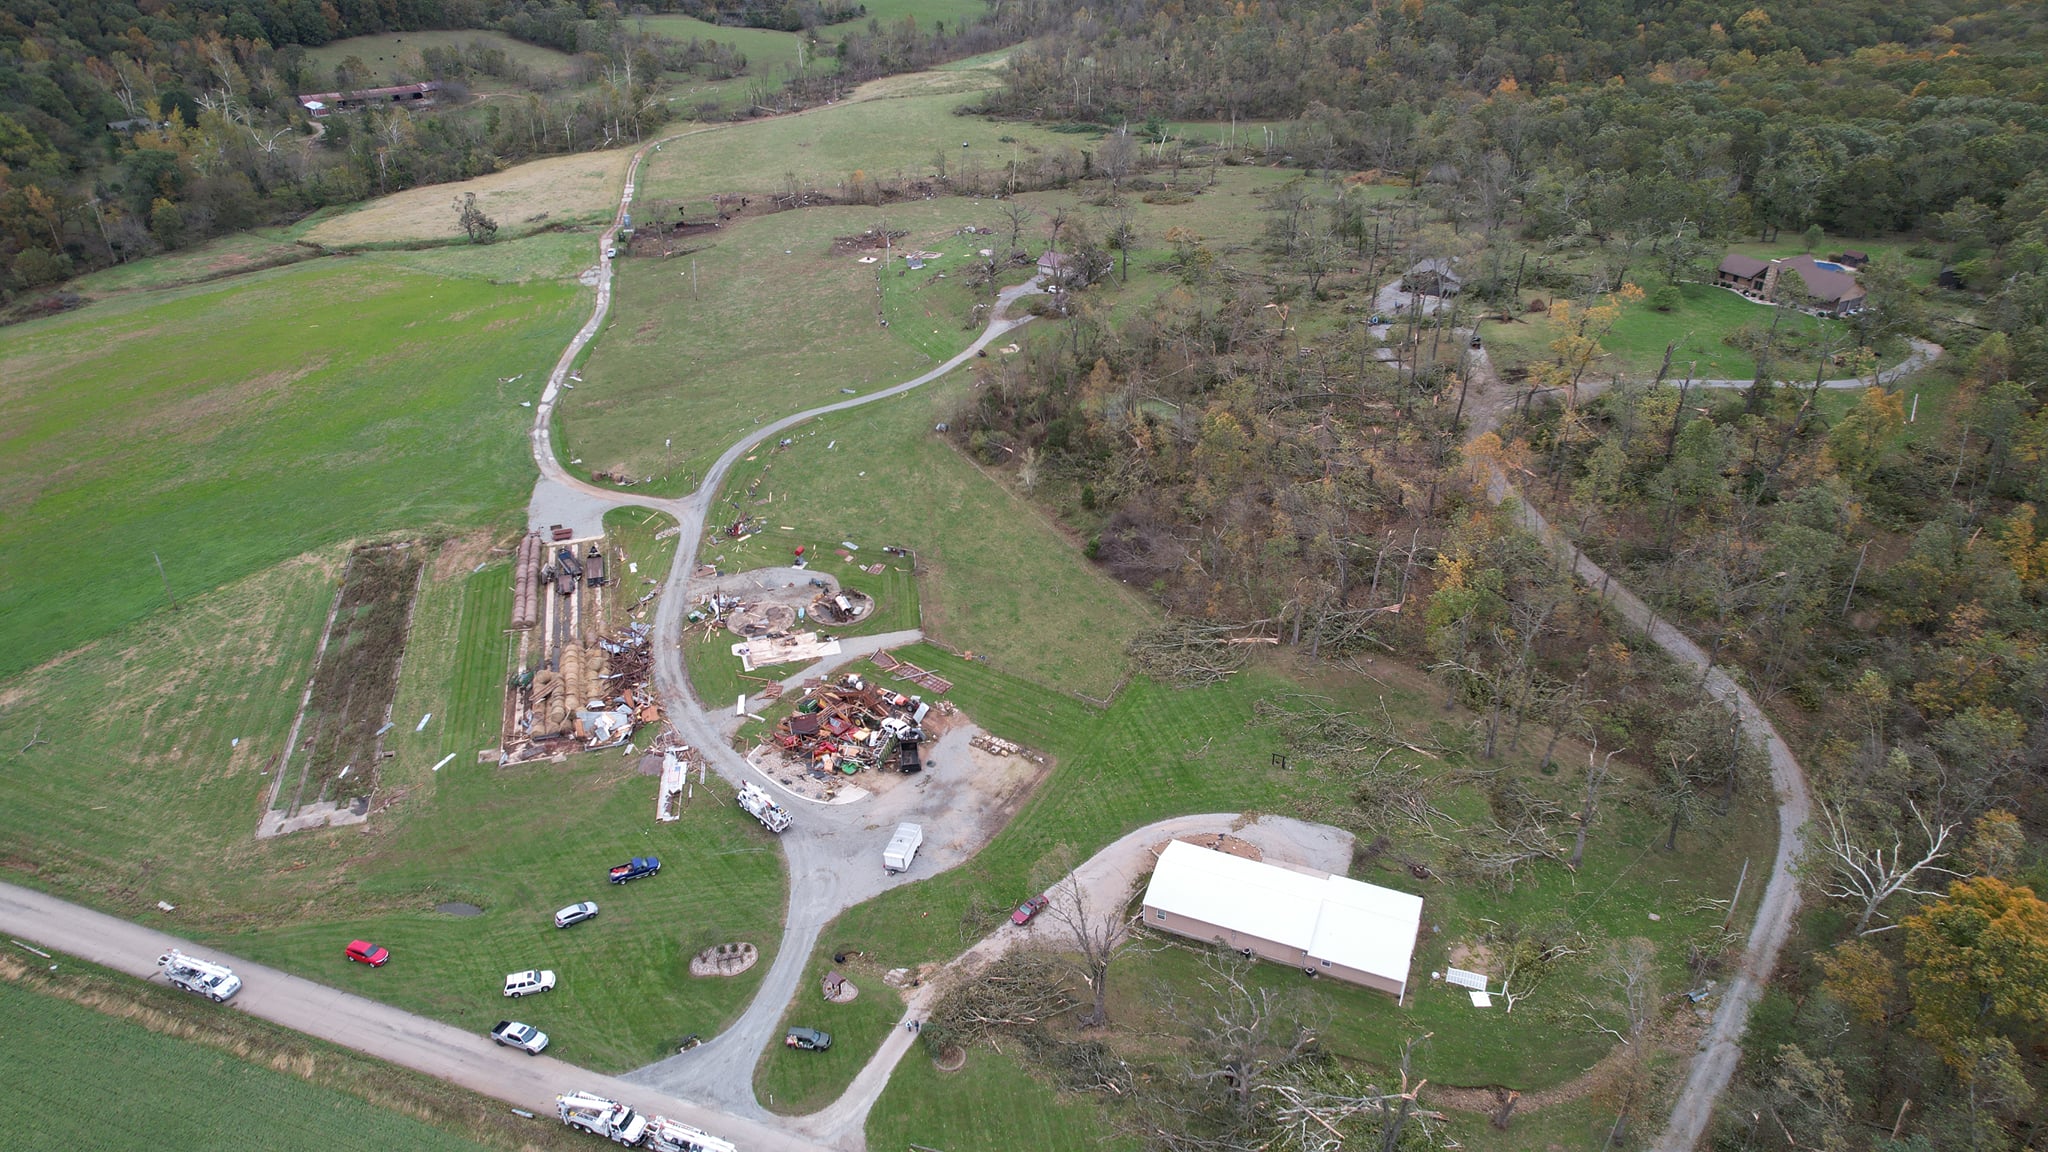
1977,965
1861,979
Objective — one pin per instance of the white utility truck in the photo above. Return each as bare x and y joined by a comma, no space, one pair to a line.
216,981
607,1118
666,1135
761,806
902,847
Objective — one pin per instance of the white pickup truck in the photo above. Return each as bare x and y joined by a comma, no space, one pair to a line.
525,1037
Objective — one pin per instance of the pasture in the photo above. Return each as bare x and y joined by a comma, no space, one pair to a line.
227,428
394,57
578,189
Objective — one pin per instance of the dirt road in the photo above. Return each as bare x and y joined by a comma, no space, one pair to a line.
1721,1048
465,1058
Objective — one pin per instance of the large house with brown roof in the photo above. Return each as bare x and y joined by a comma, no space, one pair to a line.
1830,287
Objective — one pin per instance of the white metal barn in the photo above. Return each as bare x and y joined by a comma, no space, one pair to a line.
1329,925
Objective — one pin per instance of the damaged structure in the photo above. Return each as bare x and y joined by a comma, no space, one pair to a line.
850,725
582,684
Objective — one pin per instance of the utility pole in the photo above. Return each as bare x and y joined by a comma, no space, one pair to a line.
166,579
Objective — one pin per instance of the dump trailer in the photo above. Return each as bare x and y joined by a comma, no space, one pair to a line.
593,567
216,982
908,759
607,1118
566,558
761,806
666,1135
902,847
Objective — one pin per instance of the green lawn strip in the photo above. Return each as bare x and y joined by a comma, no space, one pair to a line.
226,256
79,1079
557,255
991,1105
233,426
521,843
476,684
793,1082
995,576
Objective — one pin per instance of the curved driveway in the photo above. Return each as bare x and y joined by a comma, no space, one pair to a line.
833,853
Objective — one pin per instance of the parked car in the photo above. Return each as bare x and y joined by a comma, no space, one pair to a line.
526,983
364,952
525,1037
576,914
635,868
807,1039
1029,908
611,253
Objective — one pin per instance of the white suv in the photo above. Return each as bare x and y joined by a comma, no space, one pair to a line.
530,981
575,914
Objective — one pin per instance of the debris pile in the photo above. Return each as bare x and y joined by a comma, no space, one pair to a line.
904,670
995,745
849,725
845,606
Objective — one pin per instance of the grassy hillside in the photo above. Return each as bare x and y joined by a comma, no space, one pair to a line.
226,428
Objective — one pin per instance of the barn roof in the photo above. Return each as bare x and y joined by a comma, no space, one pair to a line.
1335,918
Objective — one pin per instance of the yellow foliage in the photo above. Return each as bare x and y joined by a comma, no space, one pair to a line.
2022,546
1860,979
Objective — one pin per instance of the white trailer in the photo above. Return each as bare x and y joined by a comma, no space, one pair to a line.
214,981
902,847
761,806
666,1135
607,1118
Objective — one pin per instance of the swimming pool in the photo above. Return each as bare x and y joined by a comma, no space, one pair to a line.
1829,265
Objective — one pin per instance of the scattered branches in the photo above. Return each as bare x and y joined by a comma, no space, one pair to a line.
1189,654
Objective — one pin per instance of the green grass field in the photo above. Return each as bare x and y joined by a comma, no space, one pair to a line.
794,1082
230,427
147,799
227,255
995,575
991,1105
388,53
882,137
80,1079
1635,345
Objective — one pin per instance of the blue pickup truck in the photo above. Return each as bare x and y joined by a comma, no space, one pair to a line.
635,868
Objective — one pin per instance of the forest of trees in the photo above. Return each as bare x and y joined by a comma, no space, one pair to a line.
1874,571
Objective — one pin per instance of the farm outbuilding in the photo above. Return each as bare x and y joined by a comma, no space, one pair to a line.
1328,925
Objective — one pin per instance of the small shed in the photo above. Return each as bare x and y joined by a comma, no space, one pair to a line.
1053,265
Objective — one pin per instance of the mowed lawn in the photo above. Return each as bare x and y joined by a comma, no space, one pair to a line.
996,576
79,1079
1635,346
227,428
